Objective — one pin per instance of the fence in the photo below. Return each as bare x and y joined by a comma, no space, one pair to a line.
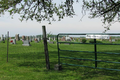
22,55
65,54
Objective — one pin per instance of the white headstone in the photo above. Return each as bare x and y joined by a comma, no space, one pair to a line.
13,41
26,43
2,37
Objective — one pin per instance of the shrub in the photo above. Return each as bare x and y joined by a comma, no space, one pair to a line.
84,40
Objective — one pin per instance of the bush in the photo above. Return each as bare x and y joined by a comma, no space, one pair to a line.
92,41
84,40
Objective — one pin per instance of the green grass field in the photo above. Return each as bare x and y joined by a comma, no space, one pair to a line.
28,62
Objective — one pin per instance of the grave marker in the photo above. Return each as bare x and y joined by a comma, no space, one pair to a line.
26,43
13,41
17,37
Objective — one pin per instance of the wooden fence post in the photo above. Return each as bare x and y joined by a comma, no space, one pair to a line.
7,44
45,48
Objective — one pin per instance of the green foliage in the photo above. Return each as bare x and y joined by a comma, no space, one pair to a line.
39,10
107,9
84,40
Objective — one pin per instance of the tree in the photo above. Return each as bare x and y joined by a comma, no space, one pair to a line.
109,10
39,10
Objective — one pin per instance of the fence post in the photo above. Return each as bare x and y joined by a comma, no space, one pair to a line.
95,49
7,44
46,48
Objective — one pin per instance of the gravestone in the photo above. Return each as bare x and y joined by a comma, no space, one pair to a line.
30,38
41,37
2,37
113,40
33,38
27,38
54,39
5,37
48,40
13,41
110,39
36,40
17,37
26,43
63,38
23,38
67,38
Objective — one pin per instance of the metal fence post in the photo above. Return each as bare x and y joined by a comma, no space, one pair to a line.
58,50
95,50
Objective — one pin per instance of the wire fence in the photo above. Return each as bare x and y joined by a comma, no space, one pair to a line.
22,55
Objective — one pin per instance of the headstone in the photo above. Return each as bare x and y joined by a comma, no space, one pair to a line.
68,39
33,38
48,40
26,43
110,39
36,40
23,38
5,37
27,37
63,38
2,37
41,37
13,41
17,37
30,38
113,40
59,38
54,39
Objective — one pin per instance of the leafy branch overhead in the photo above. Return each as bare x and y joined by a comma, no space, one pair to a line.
41,10
37,9
109,10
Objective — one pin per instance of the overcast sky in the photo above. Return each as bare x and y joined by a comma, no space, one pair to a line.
67,25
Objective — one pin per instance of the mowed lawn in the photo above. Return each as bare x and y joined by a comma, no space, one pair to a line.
28,62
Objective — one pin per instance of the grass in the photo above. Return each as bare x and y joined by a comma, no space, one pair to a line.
28,62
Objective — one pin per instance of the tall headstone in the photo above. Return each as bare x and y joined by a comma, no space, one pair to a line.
110,39
33,38
2,37
27,37
48,40
17,37
63,38
30,38
54,38
23,38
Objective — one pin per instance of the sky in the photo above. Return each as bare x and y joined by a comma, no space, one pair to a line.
67,25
